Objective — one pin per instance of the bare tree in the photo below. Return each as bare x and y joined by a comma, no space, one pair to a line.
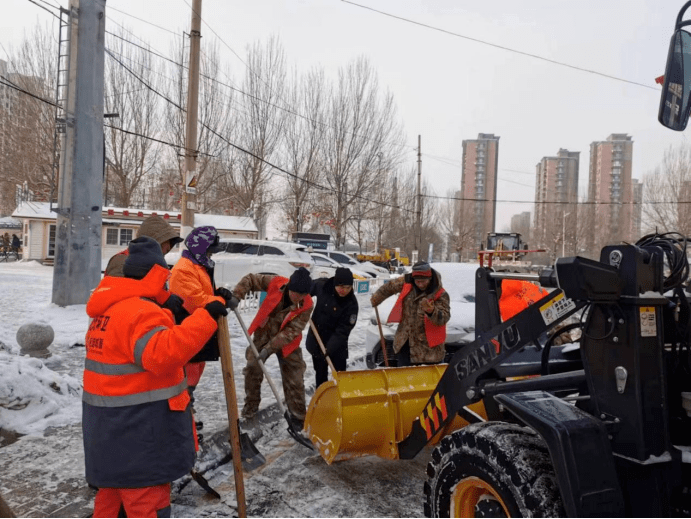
130,156
27,124
260,118
666,192
304,137
364,138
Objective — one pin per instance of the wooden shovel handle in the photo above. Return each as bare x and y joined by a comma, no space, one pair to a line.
323,348
383,341
232,406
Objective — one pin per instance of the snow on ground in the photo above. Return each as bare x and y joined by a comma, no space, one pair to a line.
40,400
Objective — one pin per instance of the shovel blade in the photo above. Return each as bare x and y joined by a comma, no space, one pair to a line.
292,430
251,457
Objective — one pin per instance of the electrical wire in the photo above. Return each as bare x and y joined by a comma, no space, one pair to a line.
196,152
6,82
45,9
141,20
235,146
509,49
552,202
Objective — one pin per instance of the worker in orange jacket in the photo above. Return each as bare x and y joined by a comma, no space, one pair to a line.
136,421
192,278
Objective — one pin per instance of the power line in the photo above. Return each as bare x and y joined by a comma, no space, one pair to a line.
6,82
141,20
155,140
235,146
555,62
550,202
45,9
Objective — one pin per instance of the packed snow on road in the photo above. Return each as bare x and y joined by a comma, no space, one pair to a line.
42,461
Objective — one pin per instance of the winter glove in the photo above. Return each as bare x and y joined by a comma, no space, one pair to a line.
264,354
216,309
175,304
232,302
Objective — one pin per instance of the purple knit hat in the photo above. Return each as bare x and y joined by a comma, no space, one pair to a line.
198,242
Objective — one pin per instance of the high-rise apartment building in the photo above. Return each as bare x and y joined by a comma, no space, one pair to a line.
520,223
610,192
556,196
479,188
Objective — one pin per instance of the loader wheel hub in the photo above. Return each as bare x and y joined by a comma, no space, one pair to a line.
474,497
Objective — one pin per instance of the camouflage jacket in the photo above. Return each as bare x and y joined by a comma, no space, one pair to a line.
412,325
270,334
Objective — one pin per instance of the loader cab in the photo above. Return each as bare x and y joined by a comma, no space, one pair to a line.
675,101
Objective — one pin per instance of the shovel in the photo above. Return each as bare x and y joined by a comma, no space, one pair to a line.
285,412
383,341
250,457
334,373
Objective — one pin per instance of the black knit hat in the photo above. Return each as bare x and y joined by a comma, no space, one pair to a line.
143,254
300,281
343,276
422,269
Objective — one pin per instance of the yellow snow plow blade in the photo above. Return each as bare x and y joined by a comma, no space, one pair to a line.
369,412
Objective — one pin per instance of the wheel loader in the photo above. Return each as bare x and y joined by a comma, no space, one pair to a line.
605,435
610,437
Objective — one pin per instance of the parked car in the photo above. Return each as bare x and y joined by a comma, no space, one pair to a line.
243,256
458,279
325,267
367,266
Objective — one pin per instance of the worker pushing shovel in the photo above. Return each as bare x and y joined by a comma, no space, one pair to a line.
277,329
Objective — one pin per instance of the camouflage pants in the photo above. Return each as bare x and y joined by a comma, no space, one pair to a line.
292,374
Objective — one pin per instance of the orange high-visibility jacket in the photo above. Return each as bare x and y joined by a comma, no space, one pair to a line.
193,283
273,297
517,295
136,421
134,351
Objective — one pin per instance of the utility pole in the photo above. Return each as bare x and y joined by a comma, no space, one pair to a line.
77,268
189,194
418,223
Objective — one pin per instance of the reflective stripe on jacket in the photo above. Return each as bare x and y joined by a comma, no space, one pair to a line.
134,351
274,294
136,421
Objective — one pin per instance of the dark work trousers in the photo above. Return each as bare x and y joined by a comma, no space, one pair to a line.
403,355
321,367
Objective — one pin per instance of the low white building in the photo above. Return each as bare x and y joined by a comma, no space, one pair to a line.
119,228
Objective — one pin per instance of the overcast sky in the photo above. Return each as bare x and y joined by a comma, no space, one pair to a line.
450,88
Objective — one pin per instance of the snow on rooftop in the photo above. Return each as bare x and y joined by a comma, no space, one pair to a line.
222,222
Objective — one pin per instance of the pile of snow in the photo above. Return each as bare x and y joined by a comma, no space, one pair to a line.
34,397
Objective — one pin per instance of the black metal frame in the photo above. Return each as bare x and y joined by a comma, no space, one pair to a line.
611,450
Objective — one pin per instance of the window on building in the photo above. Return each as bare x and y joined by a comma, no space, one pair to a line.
125,236
111,236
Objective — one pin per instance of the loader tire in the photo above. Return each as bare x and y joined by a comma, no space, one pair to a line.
492,469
